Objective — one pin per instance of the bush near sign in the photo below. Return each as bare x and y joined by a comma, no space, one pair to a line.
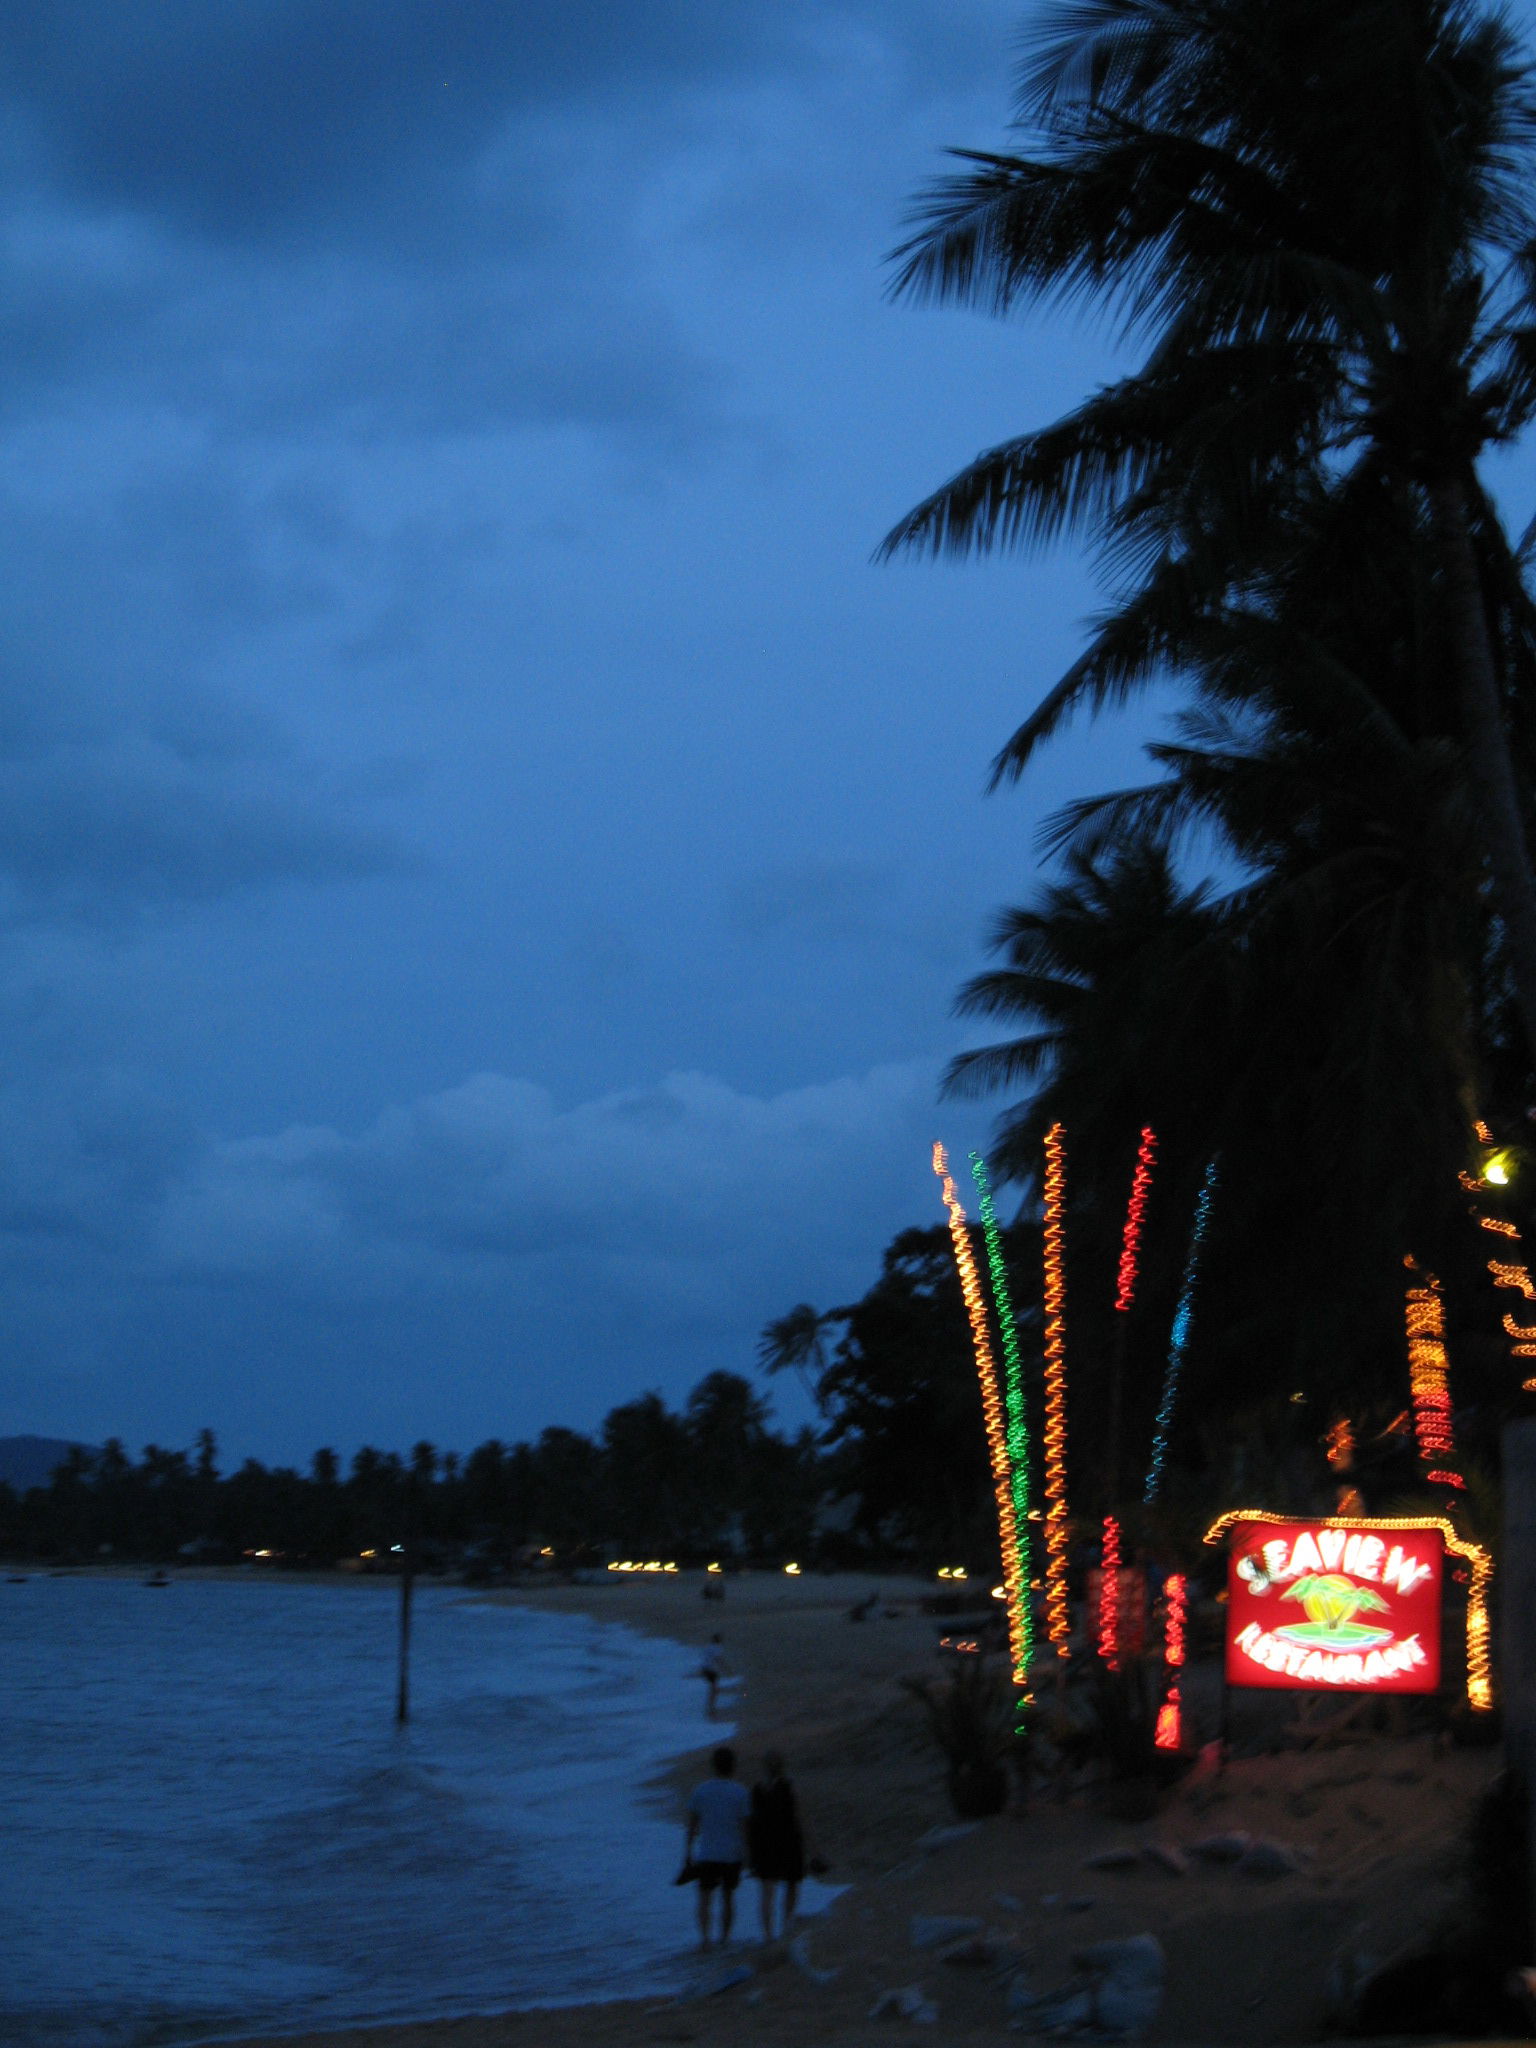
1313,1607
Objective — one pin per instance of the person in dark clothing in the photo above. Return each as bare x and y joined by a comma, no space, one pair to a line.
775,1842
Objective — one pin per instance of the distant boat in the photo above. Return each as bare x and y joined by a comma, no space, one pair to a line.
17,1578
157,1579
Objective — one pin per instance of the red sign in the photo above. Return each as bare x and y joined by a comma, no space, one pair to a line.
1317,1608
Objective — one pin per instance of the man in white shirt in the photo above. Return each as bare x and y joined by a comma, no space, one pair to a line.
716,1843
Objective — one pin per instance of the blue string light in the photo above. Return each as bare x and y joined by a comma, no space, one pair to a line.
1178,1343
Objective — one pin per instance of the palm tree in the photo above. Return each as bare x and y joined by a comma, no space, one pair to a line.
1119,969
793,1343
1321,216
1320,1025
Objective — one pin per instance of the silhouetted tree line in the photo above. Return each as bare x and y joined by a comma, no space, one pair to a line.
713,1479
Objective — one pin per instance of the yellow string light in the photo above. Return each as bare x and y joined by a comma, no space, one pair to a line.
992,1411
1058,1620
1479,1630
1506,1272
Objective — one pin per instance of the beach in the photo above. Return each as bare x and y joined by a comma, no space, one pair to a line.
1376,1830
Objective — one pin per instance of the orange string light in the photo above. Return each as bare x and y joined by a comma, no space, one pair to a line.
1109,1594
1170,1732
1136,1209
1339,1447
1428,1382
1058,1620
992,1410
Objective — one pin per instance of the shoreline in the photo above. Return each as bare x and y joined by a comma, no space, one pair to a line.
1373,1830
797,1691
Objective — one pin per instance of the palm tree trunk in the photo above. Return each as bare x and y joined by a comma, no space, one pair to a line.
1488,753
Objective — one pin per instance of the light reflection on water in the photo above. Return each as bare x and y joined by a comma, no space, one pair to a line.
212,1823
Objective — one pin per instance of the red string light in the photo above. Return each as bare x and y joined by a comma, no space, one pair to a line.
1136,1209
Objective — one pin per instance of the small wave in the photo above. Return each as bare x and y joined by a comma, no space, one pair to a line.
253,1842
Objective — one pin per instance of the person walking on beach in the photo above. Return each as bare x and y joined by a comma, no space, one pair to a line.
775,1842
717,1824
712,1670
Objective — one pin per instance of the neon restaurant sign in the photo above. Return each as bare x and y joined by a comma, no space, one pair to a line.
1347,1603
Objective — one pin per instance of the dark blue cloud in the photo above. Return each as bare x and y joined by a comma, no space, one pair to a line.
440,455
344,219
245,118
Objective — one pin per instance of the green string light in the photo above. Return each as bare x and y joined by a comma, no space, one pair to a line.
1013,1396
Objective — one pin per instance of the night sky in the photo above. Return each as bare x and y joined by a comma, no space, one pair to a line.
486,861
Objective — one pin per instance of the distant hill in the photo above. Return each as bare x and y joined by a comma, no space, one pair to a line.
31,1460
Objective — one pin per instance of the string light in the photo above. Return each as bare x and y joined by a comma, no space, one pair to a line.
1479,1643
992,1409
1339,1448
1136,1209
1479,1630
1170,1732
1506,1272
1429,1382
1058,1619
1109,1595
1017,1432
1179,1341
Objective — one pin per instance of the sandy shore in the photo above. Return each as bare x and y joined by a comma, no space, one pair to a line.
1379,1825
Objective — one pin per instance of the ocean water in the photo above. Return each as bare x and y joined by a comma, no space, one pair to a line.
211,1824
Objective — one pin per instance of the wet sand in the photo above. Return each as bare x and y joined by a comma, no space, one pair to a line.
1379,1826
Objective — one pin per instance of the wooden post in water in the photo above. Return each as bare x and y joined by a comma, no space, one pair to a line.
403,1695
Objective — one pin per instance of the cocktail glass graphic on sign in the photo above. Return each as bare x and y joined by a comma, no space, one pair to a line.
1311,1606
